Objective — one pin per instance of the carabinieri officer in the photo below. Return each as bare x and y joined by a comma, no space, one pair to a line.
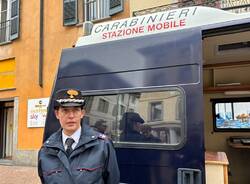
76,154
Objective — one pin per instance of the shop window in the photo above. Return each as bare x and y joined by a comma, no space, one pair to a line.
9,20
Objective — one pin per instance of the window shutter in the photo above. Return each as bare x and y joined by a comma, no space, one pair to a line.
69,12
14,19
115,6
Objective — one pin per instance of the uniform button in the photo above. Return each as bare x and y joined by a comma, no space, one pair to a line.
92,136
47,141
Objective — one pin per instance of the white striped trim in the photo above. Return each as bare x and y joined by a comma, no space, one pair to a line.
70,100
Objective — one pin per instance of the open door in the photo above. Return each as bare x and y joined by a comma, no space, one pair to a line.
6,130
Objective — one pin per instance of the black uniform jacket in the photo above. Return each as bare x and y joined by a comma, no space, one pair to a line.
93,161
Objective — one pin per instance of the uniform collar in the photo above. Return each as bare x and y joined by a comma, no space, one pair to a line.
55,140
76,136
87,136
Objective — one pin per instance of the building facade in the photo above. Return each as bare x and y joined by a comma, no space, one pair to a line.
32,35
29,55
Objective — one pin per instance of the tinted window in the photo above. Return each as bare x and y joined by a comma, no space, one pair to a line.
140,118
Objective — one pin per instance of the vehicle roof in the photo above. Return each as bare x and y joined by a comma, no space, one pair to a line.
204,18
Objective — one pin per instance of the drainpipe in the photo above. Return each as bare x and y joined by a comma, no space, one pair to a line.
41,44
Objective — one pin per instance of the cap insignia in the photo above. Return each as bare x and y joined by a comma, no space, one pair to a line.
72,93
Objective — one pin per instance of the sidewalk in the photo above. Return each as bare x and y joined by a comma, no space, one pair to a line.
18,175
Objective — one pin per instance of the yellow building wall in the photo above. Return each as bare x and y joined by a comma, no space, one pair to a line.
26,52
23,57
145,4
7,74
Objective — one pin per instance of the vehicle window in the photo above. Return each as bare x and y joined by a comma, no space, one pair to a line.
139,118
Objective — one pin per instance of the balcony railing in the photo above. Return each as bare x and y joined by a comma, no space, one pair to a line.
4,31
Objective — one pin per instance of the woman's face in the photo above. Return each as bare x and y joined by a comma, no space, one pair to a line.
69,118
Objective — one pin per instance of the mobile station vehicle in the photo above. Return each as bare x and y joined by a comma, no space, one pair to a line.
185,72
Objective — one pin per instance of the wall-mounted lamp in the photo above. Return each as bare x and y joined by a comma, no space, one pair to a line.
87,28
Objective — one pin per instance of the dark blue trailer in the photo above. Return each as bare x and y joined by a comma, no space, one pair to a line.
157,77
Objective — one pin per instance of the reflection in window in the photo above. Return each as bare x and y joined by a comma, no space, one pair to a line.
122,109
115,110
140,117
179,110
133,98
156,110
88,102
122,97
131,110
103,106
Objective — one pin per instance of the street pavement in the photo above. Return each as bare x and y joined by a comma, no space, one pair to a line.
18,175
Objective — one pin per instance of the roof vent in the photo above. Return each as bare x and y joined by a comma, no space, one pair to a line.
233,46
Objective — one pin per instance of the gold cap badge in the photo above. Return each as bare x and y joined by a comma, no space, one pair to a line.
72,93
